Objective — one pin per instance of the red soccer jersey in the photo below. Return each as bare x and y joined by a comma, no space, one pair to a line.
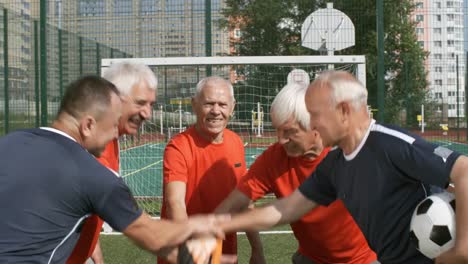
93,225
210,171
325,235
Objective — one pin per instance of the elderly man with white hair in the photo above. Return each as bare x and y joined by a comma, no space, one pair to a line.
325,235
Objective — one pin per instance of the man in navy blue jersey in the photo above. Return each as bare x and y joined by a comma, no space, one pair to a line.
379,172
50,183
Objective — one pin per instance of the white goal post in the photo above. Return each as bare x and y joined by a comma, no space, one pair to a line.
360,60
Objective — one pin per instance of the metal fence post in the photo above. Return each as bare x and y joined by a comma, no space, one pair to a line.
5,72
43,67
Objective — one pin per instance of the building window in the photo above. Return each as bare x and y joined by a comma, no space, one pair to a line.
419,18
123,8
419,5
237,33
438,69
438,56
438,82
419,31
91,8
438,18
450,43
438,43
149,7
437,31
438,95
421,44
438,5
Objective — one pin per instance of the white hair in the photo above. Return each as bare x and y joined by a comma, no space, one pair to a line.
126,75
213,79
290,103
345,87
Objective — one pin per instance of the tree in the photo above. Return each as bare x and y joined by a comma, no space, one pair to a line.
271,27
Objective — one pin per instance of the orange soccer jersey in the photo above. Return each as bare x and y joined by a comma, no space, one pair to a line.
211,172
325,235
93,225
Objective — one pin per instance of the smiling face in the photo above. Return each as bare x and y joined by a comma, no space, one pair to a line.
213,107
296,140
136,108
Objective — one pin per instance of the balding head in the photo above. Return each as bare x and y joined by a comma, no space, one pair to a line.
344,87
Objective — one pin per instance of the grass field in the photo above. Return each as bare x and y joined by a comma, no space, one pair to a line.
278,249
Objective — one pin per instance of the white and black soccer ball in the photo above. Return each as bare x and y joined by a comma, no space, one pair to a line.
432,227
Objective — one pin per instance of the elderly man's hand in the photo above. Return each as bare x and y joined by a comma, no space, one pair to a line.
207,225
204,249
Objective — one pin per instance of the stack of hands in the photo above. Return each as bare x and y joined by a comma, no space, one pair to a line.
206,249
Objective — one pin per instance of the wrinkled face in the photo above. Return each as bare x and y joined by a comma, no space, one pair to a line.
136,108
324,117
296,140
106,128
213,107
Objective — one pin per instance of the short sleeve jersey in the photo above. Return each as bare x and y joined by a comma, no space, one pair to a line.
49,183
380,183
92,226
326,234
210,171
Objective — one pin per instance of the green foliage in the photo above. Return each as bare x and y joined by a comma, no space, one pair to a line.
271,27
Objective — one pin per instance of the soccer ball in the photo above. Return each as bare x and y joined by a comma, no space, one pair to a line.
432,227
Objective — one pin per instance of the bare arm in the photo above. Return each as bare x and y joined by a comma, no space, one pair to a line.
234,203
97,256
459,176
282,211
237,202
158,235
175,200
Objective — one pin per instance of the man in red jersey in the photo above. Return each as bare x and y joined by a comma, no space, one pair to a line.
326,235
137,85
203,164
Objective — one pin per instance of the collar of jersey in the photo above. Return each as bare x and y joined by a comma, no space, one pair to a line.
51,129
353,154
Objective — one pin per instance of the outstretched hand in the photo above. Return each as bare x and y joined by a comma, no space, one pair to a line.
208,225
207,250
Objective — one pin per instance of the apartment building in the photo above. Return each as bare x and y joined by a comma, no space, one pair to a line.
440,31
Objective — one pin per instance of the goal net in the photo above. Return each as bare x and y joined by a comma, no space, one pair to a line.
256,81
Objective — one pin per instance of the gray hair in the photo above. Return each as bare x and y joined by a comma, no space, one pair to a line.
213,79
126,75
345,87
290,103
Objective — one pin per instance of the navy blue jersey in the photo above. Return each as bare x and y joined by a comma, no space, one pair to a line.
381,183
48,185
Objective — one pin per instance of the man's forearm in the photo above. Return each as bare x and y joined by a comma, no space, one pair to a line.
155,235
176,210
253,220
459,177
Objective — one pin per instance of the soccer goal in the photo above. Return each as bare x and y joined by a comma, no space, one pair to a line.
256,81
